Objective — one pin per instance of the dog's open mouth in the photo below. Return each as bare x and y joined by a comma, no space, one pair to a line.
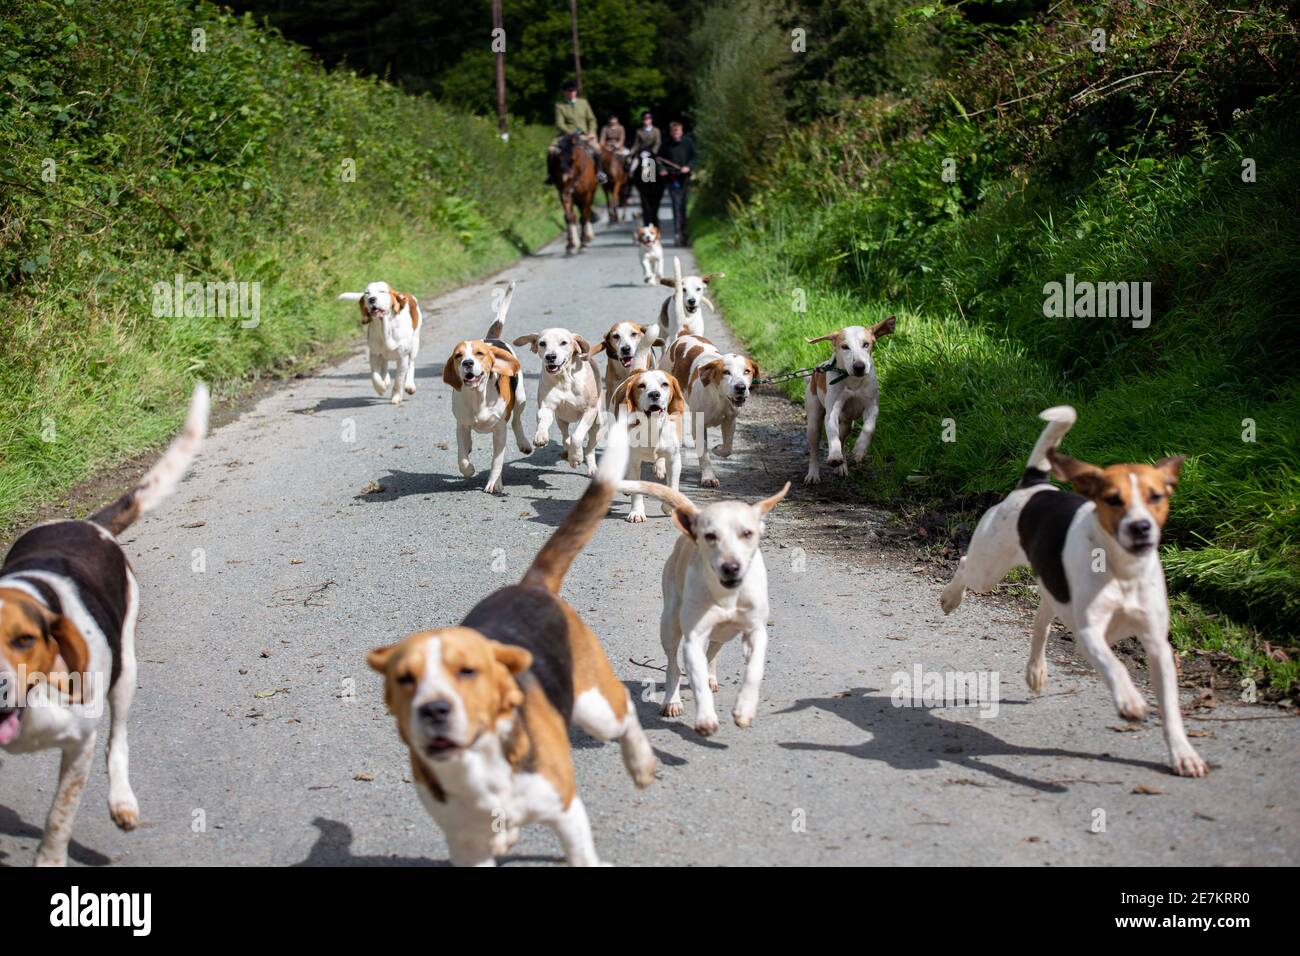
10,720
626,360
655,409
554,367
738,400
729,583
471,378
441,747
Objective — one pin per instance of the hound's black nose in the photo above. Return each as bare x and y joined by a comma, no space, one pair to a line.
859,368
1139,529
435,712
653,396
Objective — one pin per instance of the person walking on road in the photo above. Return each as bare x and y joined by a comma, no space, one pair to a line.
679,155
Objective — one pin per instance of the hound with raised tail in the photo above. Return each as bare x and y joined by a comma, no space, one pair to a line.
683,312
69,602
393,324
843,390
489,386
568,395
651,250
485,707
716,387
714,587
652,404
628,349
1095,557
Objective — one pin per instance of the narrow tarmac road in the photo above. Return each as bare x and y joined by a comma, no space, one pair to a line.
260,737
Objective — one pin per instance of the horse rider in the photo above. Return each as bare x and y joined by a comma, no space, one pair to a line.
573,115
613,136
679,157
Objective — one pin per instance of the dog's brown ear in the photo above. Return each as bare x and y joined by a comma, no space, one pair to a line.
399,300
365,315
767,504
713,371
828,337
884,328
685,521
1083,476
503,363
581,347
609,346
753,369
72,646
668,281
623,394
676,404
711,276
450,374
378,658
510,660
1171,468
530,339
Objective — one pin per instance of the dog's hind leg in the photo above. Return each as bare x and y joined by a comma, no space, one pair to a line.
814,411
606,712
715,647
670,638
517,420
496,484
1036,669
994,550
573,830
122,805
74,768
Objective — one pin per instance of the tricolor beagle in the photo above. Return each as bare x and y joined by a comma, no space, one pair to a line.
69,603
485,707
393,324
568,394
485,374
652,403
716,386
652,252
1095,557
841,391
714,588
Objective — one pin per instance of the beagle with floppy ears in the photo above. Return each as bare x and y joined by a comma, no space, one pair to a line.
714,588
393,324
1094,554
651,401
841,391
69,602
716,388
569,393
485,707
683,312
485,374
651,251
627,350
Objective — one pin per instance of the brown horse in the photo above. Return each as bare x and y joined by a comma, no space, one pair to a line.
574,173
616,183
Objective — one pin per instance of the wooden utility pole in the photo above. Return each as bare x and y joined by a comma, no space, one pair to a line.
577,57
499,42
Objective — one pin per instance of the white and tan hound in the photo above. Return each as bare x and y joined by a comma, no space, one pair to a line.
655,410
714,588
569,393
393,324
843,390
716,387
683,312
69,602
1095,557
628,349
485,707
651,250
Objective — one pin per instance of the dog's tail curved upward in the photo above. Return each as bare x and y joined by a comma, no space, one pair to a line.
160,480
1059,418
552,562
498,326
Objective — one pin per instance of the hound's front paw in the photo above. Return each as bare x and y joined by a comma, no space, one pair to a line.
381,388
410,389
397,396
743,718
813,477
672,709
1187,763
722,451
706,725
1131,705
842,470
661,469
541,439
636,517
125,813
710,481
1036,676
835,461
495,487
466,469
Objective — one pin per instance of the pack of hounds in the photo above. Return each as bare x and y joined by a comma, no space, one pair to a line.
485,707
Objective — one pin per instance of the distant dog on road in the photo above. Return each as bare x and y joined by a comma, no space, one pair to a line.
683,312
393,324
715,588
845,391
651,251
489,386
69,602
485,707
1095,557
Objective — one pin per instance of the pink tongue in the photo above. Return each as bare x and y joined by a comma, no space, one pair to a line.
9,728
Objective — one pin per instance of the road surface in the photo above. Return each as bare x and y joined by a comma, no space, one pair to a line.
259,736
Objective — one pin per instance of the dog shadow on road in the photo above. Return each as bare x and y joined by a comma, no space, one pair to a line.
333,847
11,824
917,738
399,484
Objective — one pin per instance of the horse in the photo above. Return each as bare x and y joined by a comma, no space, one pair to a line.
649,186
574,173
616,182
